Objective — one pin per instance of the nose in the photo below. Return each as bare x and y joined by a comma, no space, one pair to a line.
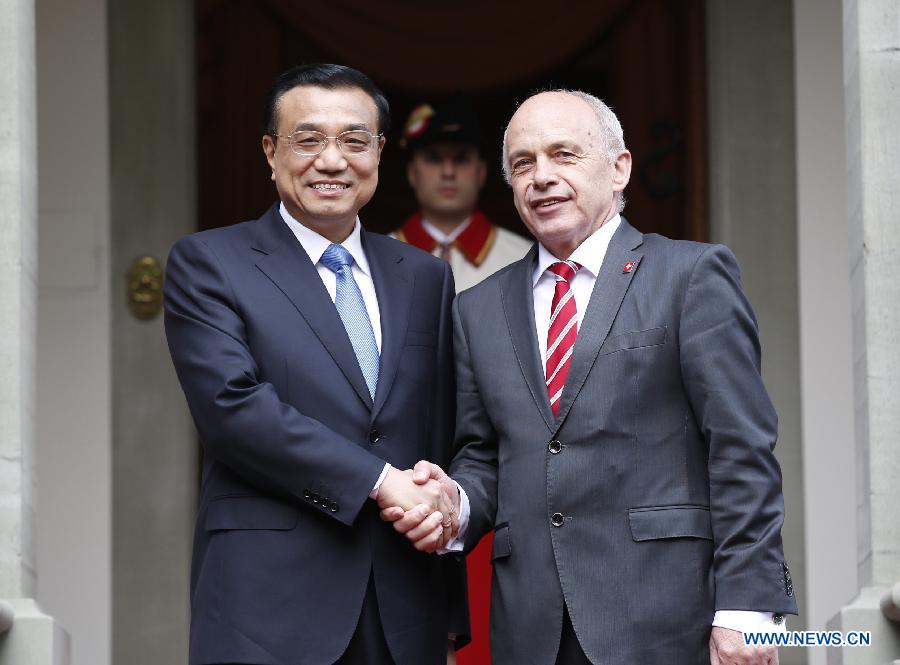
448,169
331,159
543,175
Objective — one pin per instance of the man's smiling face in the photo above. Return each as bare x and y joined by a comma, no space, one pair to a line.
564,182
326,191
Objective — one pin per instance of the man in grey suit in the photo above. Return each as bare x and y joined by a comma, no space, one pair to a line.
615,432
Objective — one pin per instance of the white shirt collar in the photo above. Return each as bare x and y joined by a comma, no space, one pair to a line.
315,244
589,254
440,236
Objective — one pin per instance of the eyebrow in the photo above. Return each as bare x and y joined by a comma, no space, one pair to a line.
313,127
518,153
556,145
572,145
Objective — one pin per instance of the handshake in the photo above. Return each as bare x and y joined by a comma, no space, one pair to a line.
423,504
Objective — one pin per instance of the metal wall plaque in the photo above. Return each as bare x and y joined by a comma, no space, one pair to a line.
145,281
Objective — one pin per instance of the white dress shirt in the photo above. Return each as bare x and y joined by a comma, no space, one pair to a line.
441,237
589,255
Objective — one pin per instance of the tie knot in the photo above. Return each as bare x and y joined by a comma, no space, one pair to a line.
335,257
564,270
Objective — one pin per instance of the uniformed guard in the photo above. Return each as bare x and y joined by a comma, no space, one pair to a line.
446,171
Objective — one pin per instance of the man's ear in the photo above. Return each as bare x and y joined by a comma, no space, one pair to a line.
382,140
268,146
621,171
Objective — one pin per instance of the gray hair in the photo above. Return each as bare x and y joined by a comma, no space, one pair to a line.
610,129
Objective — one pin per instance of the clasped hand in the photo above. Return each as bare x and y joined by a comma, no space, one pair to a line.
423,504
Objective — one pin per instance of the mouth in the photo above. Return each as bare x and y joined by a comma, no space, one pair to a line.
329,186
547,202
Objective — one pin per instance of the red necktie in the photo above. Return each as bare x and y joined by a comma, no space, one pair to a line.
563,331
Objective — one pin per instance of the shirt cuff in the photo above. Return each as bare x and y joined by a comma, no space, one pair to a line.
746,621
456,544
374,493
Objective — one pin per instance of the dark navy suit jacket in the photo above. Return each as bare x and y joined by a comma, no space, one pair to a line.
286,538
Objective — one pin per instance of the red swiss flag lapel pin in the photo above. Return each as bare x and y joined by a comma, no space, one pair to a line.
629,267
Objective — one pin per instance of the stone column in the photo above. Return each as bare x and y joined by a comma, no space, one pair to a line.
872,94
33,639
826,345
155,449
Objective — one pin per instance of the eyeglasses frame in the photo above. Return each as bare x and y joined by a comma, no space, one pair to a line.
336,139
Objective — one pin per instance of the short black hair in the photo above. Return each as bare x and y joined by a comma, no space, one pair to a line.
323,76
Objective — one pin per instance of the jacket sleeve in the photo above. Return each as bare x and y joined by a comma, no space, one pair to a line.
241,420
720,363
475,466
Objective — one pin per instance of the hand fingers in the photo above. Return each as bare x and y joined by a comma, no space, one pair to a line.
432,542
433,494
426,527
451,519
412,518
446,529
392,514
454,509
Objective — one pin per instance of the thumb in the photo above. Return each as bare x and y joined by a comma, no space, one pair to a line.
423,470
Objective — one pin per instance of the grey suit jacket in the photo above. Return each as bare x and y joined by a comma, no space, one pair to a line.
654,498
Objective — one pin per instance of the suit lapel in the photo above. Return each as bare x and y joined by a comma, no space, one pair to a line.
606,299
287,264
394,288
517,295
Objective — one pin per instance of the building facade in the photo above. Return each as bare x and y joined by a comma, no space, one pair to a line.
98,458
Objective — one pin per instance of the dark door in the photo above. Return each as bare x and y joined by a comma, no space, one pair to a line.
643,57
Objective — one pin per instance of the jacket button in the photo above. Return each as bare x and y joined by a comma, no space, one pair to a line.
554,447
334,507
558,519
374,435
316,498
307,495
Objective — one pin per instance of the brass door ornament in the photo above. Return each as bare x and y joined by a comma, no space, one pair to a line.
145,280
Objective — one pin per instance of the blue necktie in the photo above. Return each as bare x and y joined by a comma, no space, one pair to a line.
352,309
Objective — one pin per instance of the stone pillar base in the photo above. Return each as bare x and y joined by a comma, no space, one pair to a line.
34,639
864,613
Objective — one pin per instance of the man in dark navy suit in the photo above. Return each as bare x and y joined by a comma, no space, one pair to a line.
317,363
